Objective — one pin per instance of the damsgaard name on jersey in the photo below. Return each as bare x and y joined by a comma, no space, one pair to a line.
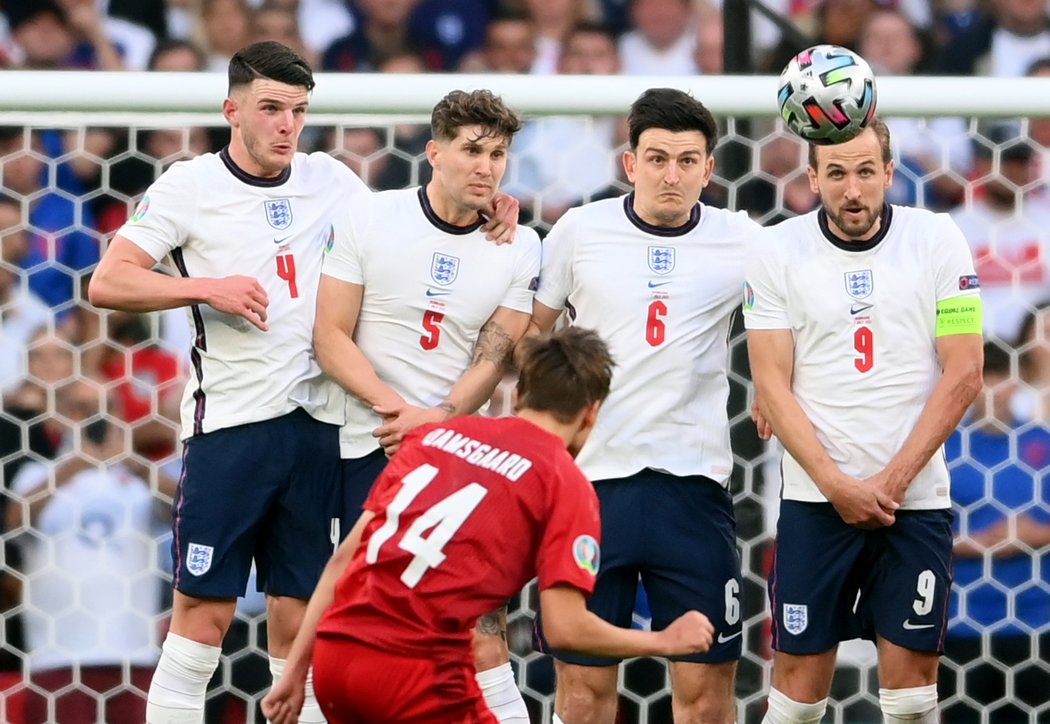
510,465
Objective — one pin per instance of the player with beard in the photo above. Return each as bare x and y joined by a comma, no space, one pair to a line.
864,333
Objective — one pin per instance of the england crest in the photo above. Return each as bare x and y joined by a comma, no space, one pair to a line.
859,284
661,259
444,269
279,213
198,558
796,618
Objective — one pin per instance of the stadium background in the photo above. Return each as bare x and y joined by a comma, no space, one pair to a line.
83,147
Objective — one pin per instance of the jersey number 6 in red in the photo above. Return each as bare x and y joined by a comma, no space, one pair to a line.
655,329
431,322
863,342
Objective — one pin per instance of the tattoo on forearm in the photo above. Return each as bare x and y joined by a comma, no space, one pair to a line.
494,345
447,405
493,624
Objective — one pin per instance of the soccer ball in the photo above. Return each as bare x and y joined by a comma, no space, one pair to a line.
827,94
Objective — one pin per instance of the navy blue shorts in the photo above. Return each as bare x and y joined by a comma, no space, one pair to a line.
265,490
678,536
358,474
833,582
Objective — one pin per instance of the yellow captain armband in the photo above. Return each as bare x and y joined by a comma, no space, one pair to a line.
959,315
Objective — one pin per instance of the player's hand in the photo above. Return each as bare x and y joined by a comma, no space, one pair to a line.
284,702
690,633
894,486
400,420
863,505
765,430
243,296
502,222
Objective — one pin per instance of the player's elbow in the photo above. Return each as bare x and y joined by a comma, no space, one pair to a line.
100,287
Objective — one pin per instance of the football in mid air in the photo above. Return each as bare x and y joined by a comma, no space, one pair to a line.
827,94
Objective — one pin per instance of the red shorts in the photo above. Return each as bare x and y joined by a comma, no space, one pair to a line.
358,684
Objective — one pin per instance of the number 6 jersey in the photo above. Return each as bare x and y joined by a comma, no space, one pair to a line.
865,317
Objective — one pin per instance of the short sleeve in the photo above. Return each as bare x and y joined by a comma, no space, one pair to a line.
765,301
955,275
165,215
526,272
569,547
344,260
556,278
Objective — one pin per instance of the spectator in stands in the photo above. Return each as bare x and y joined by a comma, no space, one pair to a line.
894,46
1039,127
22,313
66,243
663,40
834,21
363,150
1001,493
1003,42
277,20
92,592
553,21
709,46
442,32
178,55
782,189
50,35
510,46
585,162
225,27
1032,401
1008,229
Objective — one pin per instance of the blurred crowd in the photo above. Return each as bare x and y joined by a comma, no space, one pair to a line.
90,399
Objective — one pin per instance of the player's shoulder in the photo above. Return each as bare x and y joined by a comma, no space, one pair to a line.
527,239
738,221
923,226
196,170
784,235
324,167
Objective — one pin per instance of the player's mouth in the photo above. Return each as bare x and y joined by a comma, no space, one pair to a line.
283,148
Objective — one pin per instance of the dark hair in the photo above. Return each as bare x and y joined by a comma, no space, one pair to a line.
882,132
996,358
564,373
474,108
671,110
1027,333
271,60
1038,65
169,45
590,27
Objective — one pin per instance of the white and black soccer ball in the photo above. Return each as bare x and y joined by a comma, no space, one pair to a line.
827,94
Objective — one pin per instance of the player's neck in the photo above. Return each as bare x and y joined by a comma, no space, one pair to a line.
548,422
446,209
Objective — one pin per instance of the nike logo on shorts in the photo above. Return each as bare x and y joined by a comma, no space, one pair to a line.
909,626
722,638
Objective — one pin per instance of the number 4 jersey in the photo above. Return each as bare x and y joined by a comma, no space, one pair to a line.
865,317
215,220
466,514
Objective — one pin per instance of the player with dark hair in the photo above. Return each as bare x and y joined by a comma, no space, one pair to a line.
464,516
245,230
658,274
864,333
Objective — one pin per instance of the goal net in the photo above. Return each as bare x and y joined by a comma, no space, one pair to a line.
85,586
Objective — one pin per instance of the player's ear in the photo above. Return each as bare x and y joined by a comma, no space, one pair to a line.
433,151
812,174
889,174
630,162
229,111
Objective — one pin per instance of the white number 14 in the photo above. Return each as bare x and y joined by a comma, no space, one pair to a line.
442,519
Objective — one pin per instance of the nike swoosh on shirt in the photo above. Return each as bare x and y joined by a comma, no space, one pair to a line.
281,241
432,293
722,638
858,308
654,285
909,626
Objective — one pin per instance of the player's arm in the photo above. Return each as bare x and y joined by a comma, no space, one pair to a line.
285,700
492,353
961,357
772,356
569,626
125,279
338,307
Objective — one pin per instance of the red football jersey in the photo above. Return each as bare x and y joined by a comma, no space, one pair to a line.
467,513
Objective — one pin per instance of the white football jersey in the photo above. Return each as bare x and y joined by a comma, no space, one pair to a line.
215,221
662,299
92,590
863,317
1012,254
429,287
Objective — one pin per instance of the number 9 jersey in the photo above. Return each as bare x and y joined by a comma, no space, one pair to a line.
865,316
